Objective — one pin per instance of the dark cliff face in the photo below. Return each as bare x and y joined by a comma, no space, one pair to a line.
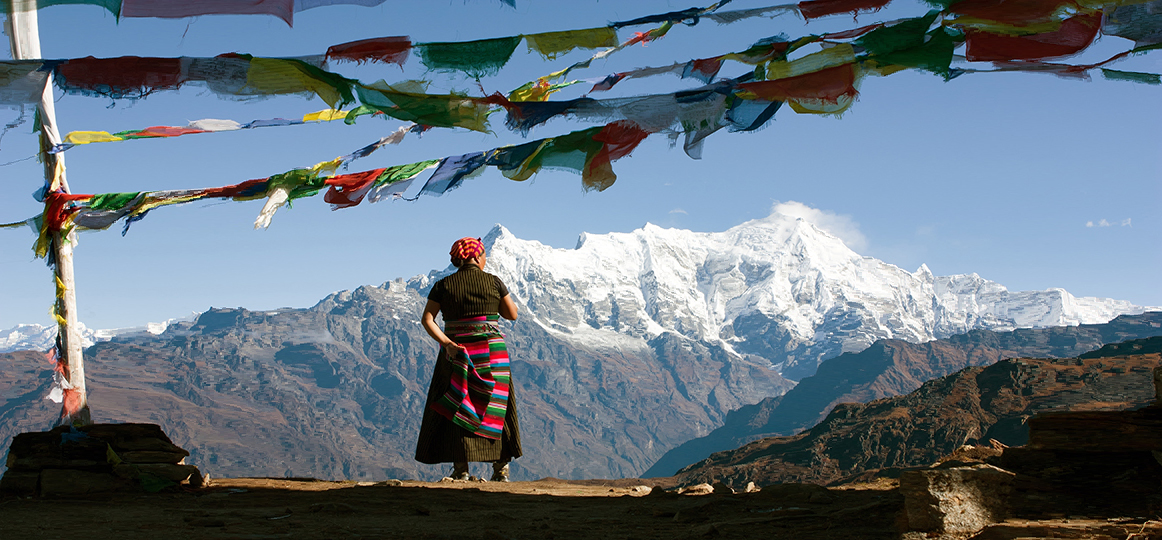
970,407
893,367
337,391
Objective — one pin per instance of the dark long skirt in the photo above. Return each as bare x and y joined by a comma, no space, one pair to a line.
442,441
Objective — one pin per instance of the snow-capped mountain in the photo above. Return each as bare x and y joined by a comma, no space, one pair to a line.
778,287
36,337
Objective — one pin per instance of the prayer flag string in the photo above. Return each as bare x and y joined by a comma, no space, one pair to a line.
178,9
207,125
589,153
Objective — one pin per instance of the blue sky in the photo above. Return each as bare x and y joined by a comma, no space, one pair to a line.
1029,180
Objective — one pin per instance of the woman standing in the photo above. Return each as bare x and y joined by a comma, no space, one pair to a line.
470,414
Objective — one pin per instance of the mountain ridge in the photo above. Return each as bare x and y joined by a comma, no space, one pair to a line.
972,406
893,368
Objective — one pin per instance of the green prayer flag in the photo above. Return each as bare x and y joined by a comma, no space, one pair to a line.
934,55
450,110
299,183
398,173
476,58
568,152
1132,76
112,201
907,34
114,6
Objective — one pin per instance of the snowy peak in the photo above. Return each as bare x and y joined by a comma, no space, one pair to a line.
36,337
779,287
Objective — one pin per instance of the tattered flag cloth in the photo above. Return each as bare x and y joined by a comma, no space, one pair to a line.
551,44
475,58
9,6
1074,35
207,125
124,77
813,9
22,82
1141,23
477,398
176,9
389,50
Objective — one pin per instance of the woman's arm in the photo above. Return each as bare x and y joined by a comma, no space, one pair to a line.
428,321
508,308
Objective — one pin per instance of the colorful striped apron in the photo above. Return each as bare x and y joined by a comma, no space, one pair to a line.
477,398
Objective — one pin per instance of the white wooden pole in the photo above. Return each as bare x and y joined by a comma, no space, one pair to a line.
24,35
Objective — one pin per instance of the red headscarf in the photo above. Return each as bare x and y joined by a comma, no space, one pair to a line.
466,248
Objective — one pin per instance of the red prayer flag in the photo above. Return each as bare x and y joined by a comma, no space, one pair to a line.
1018,13
165,131
1074,35
389,50
349,189
619,138
116,77
813,9
827,84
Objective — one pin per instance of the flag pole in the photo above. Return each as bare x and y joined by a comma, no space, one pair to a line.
24,36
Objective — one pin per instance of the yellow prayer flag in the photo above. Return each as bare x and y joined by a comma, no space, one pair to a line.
325,115
827,58
280,76
821,106
86,137
327,167
550,44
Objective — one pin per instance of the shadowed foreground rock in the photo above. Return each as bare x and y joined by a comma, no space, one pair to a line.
98,458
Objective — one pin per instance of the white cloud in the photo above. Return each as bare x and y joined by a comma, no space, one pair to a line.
1103,223
678,211
841,226
1126,222
1089,224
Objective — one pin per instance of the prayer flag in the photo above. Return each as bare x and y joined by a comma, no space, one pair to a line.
427,109
21,82
813,9
829,84
303,5
389,50
452,171
176,9
1141,23
114,6
475,58
126,76
1133,76
1075,34
290,75
551,44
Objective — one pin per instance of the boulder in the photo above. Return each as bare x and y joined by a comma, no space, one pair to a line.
21,483
955,500
68,482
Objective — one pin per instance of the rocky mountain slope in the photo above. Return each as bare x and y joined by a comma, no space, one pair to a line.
336,391
892,368
970,407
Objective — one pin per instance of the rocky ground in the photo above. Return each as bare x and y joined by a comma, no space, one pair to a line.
252,508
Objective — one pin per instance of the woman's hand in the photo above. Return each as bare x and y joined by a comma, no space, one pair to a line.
452,349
